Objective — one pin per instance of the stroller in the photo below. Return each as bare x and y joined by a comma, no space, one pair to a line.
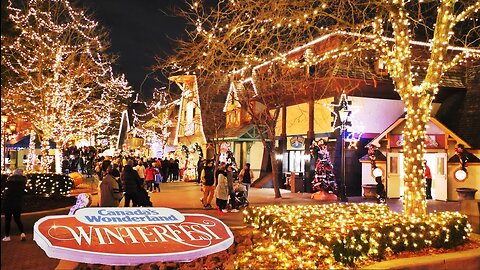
240,199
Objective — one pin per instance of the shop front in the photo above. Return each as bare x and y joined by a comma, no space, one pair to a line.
440,150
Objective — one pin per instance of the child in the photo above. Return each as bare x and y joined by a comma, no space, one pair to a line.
380,190
158,179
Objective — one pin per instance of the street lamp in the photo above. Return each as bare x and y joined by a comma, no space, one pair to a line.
343,114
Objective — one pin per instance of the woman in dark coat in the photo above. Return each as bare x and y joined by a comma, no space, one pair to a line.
14,189
131,183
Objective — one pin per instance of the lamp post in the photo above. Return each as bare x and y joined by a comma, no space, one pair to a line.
343,114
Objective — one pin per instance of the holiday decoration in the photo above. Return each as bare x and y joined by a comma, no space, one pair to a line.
298,43
324,179
48,184
57,75
462,156
341,235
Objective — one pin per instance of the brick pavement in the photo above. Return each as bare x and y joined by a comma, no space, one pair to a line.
184,197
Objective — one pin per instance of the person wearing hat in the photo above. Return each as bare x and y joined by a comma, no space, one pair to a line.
14,189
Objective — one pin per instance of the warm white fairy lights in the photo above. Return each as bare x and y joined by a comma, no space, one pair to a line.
31,152
57,72
48,184
342,235
245,37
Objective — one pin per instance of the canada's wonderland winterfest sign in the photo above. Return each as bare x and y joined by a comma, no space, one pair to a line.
131,236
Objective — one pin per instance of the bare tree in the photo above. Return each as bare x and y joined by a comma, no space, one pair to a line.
57,73
241,39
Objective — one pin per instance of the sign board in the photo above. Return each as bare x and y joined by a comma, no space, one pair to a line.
431,141
131,236
296,143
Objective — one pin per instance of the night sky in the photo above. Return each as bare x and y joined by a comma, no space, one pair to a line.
138,30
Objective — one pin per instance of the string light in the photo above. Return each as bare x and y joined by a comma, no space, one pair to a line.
342,235
247,38
59,75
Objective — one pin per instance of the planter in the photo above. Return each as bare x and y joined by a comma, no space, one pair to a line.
466,193
370,191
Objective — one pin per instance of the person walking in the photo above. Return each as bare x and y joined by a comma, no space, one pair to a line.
245,177
158,179
231,190
110,195
208,180
14,189
200,165
149,177
428,179
221,190
131,184
171,170
141,171
165,170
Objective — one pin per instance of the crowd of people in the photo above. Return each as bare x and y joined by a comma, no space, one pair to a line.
220,184
131,179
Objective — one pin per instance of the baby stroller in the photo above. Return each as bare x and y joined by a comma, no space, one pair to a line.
143,199
240,199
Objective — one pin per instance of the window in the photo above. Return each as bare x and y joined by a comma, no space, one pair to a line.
189,115
296,162
441,166
394,165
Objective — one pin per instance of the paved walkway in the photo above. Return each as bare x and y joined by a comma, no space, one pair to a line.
182,196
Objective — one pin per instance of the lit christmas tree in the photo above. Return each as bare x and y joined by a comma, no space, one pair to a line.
57,74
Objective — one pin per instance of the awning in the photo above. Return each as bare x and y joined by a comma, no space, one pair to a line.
24,142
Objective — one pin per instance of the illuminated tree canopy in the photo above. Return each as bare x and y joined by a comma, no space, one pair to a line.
56,73
234,38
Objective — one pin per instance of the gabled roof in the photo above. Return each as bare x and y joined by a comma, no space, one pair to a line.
376,140
246,132
471,158
379,156
232,94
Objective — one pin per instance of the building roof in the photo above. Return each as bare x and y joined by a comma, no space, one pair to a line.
441,126
246,132
379,156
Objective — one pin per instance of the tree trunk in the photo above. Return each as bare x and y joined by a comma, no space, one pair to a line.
275,176
417,117
45,146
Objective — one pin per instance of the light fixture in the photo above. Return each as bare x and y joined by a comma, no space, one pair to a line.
460,175
377,172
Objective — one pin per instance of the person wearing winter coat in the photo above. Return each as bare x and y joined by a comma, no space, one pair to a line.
231,190
14,190
110,195
141,171
131,184
149,177
221,191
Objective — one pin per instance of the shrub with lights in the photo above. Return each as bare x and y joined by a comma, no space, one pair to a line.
48,184
316,236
